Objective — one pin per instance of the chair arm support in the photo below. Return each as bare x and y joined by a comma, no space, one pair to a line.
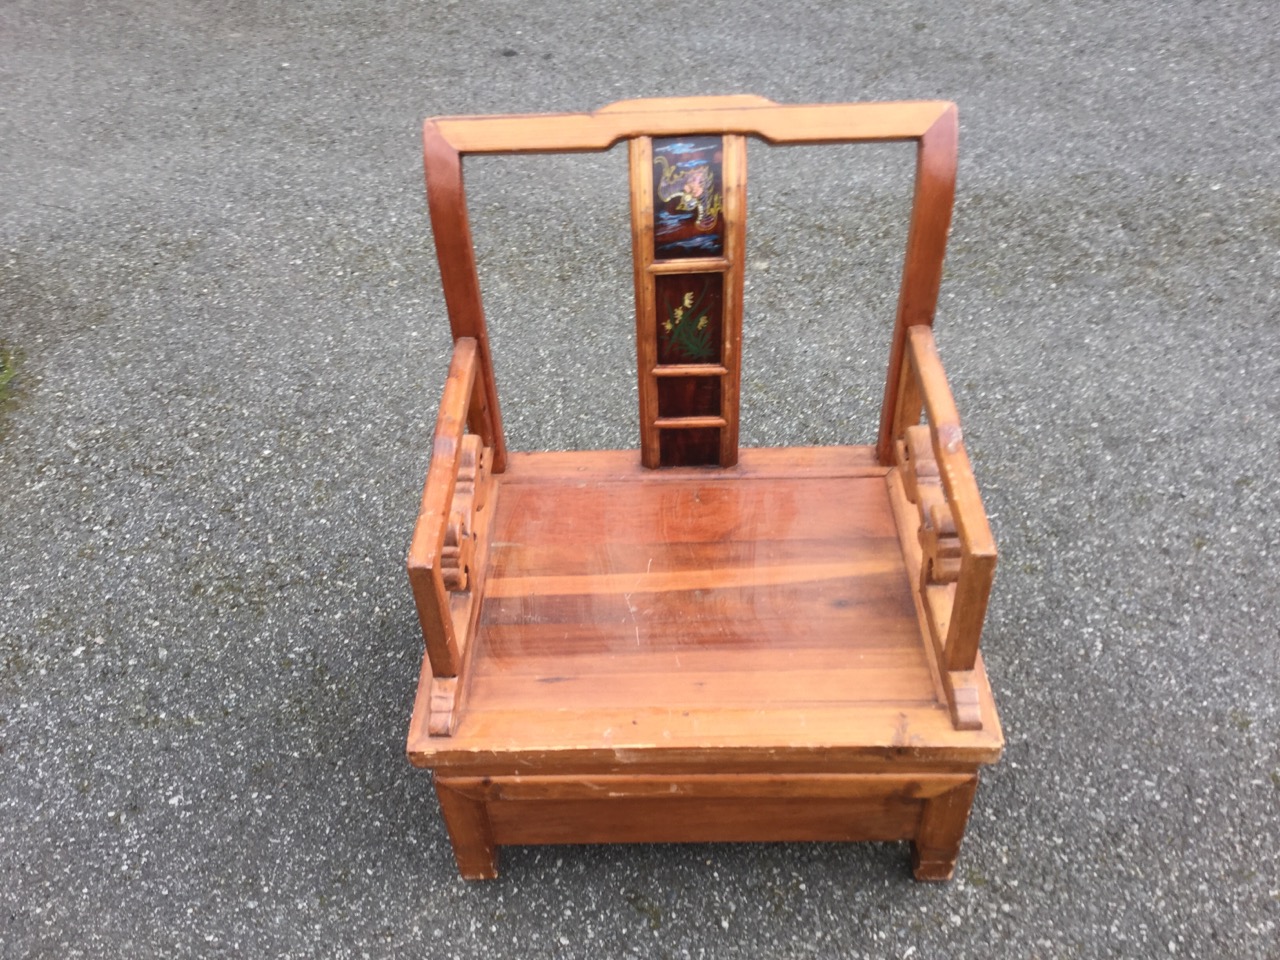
430,594
977,561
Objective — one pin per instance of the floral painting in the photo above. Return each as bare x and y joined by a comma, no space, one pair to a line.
689,322
688,197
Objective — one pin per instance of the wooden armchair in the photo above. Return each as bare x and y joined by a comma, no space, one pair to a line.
692,641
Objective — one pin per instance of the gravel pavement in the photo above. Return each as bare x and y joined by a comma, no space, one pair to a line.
222,318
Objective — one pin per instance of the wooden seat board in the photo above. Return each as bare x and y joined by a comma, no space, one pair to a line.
668,623
613,739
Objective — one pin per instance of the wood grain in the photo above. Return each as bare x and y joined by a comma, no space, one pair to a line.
691,370
640,152
819,123
688,264
846,786
470,832
735,250
674,625
623,466
701,820
977,545
775,736
965,691
448,699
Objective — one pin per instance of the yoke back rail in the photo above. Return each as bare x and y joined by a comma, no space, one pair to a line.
932,125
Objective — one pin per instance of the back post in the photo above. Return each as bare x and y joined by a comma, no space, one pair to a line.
934,196
451,228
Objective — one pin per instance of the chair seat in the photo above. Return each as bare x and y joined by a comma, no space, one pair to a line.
755,611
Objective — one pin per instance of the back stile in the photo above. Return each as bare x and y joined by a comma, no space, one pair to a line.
735,202
935,189
640,152
447,201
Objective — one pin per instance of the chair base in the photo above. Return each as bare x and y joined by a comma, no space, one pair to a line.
929,809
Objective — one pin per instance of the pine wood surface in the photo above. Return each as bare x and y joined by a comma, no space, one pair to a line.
652,614
753,116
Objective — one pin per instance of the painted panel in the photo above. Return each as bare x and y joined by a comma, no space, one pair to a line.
688,197
688,396
690,317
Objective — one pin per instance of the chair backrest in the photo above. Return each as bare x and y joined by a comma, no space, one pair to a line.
688,219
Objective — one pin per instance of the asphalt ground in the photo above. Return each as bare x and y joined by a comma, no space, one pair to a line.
221,314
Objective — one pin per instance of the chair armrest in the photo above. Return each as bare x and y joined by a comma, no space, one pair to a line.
962,514
427,550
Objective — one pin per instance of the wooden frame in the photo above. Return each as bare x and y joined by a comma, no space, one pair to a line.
621,646
931,125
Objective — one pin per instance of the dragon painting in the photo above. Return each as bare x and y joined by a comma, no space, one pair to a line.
696,189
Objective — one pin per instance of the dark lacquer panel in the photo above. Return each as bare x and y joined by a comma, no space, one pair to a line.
690,448
690,322
688,396
688,197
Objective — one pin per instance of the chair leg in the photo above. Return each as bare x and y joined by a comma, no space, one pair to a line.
469,832
937,842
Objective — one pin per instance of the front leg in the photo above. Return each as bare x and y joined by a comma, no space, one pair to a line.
937,842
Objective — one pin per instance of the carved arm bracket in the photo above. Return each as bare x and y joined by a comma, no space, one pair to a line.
447,553
458,553
939,538
957,552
